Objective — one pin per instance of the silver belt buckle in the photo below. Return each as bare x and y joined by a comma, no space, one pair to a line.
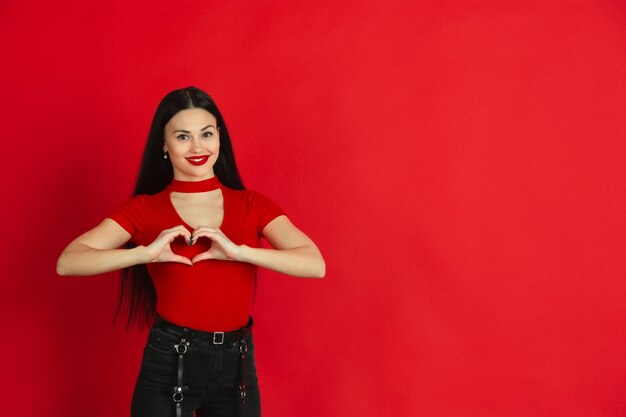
218,338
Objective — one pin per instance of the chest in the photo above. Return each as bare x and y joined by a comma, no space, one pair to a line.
202,209
227,211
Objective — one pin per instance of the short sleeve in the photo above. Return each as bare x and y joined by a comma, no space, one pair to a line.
130,215
264,210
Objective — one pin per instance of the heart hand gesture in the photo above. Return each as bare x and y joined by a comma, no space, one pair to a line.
222,248
160,250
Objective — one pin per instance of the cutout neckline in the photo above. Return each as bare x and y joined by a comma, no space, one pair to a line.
203,186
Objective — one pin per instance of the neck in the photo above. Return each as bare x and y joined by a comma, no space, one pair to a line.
201,186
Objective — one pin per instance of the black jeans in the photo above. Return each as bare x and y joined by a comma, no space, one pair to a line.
212,375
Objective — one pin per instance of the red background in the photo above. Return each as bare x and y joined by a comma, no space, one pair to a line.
459,163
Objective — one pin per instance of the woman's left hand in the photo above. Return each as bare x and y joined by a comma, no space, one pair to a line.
222,248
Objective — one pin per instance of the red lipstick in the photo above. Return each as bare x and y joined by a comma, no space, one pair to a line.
198,160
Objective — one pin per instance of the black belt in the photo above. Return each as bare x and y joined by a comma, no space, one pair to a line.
216,338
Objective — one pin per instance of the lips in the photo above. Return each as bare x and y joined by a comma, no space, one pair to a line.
198,160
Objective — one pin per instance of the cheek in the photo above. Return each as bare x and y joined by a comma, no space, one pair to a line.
176,148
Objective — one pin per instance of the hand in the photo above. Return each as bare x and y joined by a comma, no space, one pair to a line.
222,248
160,250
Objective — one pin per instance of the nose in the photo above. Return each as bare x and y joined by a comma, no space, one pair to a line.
196,144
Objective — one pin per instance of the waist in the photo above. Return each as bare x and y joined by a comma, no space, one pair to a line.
209,298
201,336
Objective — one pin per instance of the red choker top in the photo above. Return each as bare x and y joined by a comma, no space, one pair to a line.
211,295
201,186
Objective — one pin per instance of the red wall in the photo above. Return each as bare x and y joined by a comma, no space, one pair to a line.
459,163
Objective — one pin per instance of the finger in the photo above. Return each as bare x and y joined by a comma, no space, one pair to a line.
176,232
202,257
181,259
179,228
193,238
200,229
209,235
183,231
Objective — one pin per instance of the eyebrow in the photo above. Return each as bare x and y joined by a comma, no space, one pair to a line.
187,131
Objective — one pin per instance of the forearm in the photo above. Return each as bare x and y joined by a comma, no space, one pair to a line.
84,260
304,262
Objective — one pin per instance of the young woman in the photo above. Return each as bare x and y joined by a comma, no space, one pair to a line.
188,245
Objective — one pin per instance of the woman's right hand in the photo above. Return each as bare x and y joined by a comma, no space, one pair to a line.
161,251
99,250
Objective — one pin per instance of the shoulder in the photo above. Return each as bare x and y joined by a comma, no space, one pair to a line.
151,199
137,208
254,195
144,201
247,197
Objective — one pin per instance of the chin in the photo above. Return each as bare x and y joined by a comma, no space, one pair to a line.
199,174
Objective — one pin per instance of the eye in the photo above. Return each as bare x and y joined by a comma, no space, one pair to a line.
207,134
182,137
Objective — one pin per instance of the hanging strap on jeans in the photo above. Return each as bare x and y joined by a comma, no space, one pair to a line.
178,390
243,349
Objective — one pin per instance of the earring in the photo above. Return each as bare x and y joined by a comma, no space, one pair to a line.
164,154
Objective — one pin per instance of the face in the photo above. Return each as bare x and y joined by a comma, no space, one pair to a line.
192,142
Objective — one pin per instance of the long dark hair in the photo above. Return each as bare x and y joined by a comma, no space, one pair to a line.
137,295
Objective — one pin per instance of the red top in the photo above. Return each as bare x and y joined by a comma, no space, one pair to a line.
211,295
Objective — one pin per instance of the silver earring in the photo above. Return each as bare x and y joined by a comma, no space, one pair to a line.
164,154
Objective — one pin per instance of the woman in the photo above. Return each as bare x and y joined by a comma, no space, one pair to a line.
191,236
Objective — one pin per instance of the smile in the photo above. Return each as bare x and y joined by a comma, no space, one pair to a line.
198,160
